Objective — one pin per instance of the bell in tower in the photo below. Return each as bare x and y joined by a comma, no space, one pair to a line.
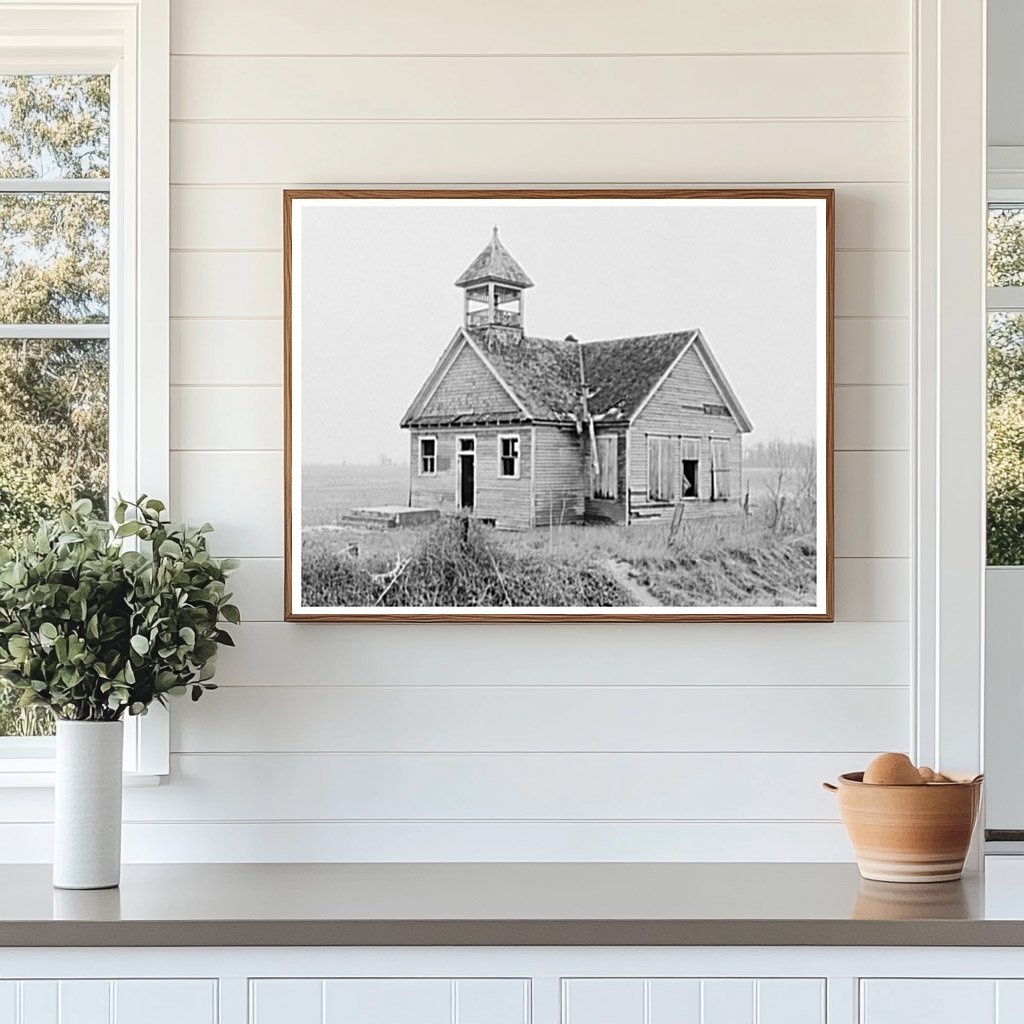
493,285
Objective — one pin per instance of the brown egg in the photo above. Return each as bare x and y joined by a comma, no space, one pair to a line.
892,770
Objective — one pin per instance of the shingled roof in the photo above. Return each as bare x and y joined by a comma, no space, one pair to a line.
622,372
543,374
495,263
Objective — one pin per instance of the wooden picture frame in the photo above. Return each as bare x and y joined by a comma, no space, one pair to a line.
547,475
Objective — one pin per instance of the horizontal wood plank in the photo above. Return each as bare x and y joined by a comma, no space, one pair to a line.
233,418
207,284
773,653
461,842
873,284
868,216
360,88
734,152
227,352
872,350
873,589
535,26
872,418
376,787
622,719
872,504
239,492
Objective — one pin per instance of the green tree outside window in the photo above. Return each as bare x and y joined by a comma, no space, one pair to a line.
54,271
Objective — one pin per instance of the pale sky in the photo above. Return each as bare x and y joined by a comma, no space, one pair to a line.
379,305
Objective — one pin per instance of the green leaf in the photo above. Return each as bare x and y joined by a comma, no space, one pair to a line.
170,549
140,644
232,614
188,634
48,631
18,646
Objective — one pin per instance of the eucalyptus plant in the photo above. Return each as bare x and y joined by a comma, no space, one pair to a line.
92,628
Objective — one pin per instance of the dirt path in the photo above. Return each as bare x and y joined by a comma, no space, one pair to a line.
620,572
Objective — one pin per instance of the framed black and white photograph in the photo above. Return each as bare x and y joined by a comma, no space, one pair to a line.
558,405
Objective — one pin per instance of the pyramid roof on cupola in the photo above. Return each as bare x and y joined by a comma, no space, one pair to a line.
495,263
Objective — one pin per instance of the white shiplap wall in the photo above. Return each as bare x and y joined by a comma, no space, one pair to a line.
689,741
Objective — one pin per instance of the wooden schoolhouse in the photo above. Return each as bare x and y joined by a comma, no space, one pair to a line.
522,431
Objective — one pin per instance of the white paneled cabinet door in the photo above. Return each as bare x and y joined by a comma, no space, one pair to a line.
693,1001
389,1001
141,1001
941,1001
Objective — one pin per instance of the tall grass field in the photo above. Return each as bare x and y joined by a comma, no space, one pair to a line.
766,557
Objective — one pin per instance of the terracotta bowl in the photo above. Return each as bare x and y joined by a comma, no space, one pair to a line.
909,833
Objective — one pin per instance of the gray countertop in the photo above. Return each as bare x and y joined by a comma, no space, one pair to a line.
502,905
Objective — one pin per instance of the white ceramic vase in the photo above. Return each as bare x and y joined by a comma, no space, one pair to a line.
87,807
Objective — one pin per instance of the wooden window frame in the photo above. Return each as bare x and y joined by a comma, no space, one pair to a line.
517,458
727,441
612,441
667,438
696,484
433,439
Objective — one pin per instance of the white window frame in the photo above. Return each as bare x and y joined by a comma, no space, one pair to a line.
130,41
1004,587
948,443
518,456
422,471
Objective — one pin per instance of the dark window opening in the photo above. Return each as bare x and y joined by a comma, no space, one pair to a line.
689,482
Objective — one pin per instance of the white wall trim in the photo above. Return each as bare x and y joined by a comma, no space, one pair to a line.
949,446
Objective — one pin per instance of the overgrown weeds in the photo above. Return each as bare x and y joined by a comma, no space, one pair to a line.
455,564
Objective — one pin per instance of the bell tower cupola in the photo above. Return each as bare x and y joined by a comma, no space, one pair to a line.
493,285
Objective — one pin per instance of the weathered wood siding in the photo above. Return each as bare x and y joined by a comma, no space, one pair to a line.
604,509
676,411
503,499
469,388
559,481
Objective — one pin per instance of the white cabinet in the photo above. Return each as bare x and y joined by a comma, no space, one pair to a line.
693,1001
142,1001
942,1001
389,1001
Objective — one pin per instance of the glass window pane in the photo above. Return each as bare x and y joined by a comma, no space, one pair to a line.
54,126
54,258
1005,246
1005,439
53,449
